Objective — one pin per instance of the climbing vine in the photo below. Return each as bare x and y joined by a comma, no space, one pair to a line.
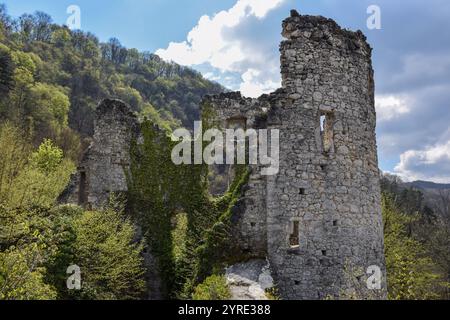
161,192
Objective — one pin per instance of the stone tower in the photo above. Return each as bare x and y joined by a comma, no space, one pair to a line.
103,168
318,221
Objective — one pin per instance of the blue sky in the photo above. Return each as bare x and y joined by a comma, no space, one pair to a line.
235,42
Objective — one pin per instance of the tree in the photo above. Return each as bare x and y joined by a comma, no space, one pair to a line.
48,157
109,259
61,37
412,275
21,277
30,179
213,288
42,30
6,72
13,158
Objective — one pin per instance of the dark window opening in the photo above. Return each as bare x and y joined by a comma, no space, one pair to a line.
335,223
324,252
240,146
323,167
237,123
326,131
302,191
296,282
253,224
82,191
294,240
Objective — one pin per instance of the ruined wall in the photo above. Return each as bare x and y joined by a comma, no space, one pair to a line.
103,171
318,221
103,168
109,156
322,212
249,219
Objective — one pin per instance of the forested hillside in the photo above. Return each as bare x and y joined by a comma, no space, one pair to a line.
417,241
52,79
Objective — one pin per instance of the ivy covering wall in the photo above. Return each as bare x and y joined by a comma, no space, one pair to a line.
187,230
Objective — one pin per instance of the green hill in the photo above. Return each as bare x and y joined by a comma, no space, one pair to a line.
52,78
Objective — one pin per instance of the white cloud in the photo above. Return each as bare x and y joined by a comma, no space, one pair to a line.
390,107
208,42
253,87
432,163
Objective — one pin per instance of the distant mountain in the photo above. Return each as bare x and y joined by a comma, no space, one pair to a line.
427,185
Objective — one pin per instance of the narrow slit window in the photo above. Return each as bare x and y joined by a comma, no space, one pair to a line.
294,240
326,131
82,191
322,123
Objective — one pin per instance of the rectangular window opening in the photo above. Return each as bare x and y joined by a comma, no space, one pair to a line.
294,240
326,131
82,189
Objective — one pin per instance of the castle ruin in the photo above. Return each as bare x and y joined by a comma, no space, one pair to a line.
318,221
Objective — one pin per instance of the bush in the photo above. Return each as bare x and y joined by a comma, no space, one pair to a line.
213,288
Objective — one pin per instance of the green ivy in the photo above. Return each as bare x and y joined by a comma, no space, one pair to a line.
160,191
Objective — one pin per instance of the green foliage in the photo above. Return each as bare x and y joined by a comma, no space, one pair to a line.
272,293
213,288
412,275
6,72
30,239
28,180
109,259
187,231
30,233
51,79
48,157
20,276
50,105
60,76
157,189
217,249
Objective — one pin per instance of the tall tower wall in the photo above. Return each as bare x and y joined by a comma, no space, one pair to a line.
323,208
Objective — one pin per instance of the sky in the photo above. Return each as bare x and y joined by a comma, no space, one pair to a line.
235,42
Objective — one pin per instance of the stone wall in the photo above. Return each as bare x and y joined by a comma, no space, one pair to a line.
250,228
321,212
318,221
103,172
103,168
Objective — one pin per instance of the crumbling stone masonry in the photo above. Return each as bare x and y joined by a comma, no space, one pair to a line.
318,221
102,170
